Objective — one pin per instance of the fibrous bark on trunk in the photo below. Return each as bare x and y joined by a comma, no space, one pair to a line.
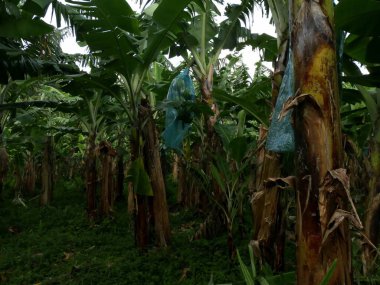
321,189
138,204
267,206
91,176
269,227
29,175
120,178
152,163
106,153
47,172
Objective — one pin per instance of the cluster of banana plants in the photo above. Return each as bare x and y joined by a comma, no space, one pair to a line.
313,107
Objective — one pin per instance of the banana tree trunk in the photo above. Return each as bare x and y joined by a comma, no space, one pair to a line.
47,172
175,169
183,179
91,176
321,229
4,159
183,188
107,153
212,143
372,219
29,175
193,184
212,140
120,178
267,206
138,204
269,226
152,163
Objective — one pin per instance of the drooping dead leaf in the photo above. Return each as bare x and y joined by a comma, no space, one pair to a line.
339,174
338,180
295,100
336,220
283,183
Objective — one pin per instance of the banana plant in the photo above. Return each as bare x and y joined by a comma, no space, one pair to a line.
319,150
34,119
230,175
127,44
205,40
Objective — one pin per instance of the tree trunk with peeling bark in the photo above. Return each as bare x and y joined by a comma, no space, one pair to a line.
212,139
91,176
29,175
106,153
152,163
119,191
47,172
268,211
322,196
138,204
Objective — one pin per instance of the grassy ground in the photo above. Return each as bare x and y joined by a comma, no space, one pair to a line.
56,245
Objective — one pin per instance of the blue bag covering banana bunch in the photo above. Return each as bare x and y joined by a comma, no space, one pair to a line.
178,113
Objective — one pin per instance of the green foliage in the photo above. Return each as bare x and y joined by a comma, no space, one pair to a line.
254,276
56,245
237,148
139,178
358,17
235,90
24,27
247,104
330,272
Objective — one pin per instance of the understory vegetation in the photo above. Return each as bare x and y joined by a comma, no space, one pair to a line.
57,245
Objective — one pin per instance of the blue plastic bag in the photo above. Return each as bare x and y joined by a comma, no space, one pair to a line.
178,118
281,134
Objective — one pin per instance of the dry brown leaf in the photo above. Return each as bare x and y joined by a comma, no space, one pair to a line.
283,183
340,175
296,100
337,218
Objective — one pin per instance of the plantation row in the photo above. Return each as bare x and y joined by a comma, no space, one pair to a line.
286,161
